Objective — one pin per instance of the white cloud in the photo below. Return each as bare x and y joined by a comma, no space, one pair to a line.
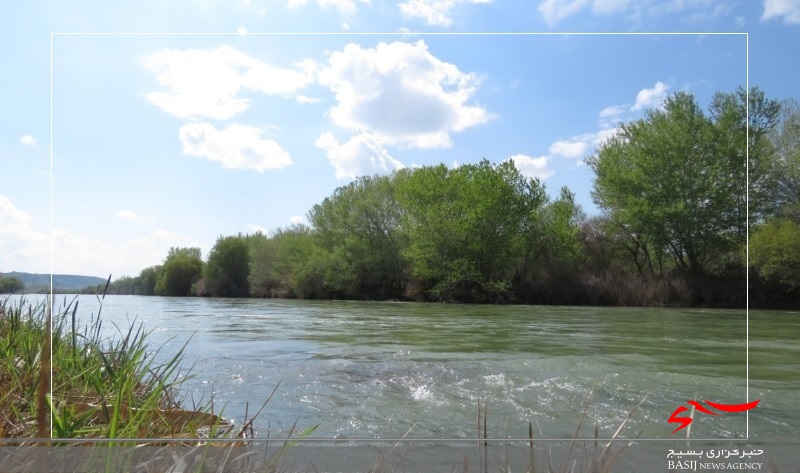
28,140
305,99
257,229
650,97
788,10
208,83
25,248
235,147
297,219
613,111
400,93
14,222
362,155
695,11
569,149
532,167
126,214
434,12
556,10
345,7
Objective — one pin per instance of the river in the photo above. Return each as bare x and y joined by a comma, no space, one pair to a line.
364,370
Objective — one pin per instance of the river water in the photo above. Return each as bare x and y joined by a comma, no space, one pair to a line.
365,370
378,369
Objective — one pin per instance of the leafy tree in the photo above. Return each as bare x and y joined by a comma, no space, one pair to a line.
784,171
287,264
228,267
146,281
775,252
181,269
11,284
674,181
743,122
467,226
560,242
359,228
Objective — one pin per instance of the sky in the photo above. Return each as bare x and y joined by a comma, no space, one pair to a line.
127,128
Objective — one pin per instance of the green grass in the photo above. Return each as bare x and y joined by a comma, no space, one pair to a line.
99,388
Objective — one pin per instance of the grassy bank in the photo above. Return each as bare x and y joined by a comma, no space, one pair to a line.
99,388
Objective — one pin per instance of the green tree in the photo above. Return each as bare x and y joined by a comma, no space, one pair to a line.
359,228
560,243
181,269
146,281
228,267
467,227
742,123
675,181
783,184
11,284
287,264
775,252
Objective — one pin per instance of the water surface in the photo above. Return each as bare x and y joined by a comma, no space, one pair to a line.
382,369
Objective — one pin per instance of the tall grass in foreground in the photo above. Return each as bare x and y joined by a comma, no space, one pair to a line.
112,388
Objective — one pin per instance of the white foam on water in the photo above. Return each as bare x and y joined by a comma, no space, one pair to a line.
422,393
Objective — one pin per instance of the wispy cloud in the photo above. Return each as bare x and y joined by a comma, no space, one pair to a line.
787,10
345,7
695,11
207,83
127,214
434,12
554,11
362,154
235,147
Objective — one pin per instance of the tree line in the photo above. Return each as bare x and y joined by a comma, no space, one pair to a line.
680,190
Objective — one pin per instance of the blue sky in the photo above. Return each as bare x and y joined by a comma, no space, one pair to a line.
176,122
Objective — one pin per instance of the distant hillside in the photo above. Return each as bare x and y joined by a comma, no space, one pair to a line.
64,282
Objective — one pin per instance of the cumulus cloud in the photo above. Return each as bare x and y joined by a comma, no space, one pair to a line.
788,10
208,83
235,147
569,149
434,12
28,140
650,97
297,219
401,94
532,167
362,155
